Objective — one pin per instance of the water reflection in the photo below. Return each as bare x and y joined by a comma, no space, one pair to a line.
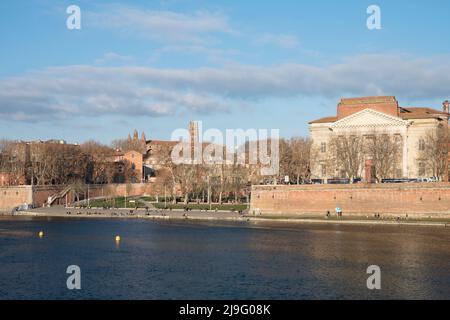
167,260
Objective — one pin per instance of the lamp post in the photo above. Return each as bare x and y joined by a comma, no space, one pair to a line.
165,198
209,193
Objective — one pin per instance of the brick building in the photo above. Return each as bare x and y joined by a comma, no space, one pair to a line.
129,166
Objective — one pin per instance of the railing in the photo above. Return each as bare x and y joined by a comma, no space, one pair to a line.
58,195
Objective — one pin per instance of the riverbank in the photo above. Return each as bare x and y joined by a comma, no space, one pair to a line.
197,215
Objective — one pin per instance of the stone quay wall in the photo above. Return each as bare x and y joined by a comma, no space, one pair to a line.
11,197
14,196
400,200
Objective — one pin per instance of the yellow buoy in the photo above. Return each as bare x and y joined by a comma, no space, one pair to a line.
117,238
41,234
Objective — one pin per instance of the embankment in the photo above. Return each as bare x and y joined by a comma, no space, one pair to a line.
409,199
13,196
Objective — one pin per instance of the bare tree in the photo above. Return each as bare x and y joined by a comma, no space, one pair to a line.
12,161
129,145
434,151
295,156
5,144
168,170
346,155
218,180
185,176
128,189
78,188
238,180
384,150
41,162
111,194
164,183
100,167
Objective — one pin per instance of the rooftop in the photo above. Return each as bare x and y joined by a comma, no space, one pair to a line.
404,113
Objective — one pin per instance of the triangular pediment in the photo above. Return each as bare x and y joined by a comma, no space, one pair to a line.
369,118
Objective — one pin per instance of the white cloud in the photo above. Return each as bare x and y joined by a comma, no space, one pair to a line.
67,92
281,40
212,54
165,26
112,57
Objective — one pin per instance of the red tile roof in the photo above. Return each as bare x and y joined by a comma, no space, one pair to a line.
421,113
324,120
404,112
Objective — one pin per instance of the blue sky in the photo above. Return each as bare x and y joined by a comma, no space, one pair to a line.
155,65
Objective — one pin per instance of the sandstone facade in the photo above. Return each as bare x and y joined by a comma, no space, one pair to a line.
366,116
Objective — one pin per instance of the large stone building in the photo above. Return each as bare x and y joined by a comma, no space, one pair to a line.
365,117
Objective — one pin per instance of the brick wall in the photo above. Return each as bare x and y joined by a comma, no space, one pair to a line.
41,193
388,199
120,190
11,197
344,111
387,105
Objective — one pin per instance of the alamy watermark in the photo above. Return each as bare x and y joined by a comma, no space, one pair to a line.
74,280
374,280
374,20
259,147
73,22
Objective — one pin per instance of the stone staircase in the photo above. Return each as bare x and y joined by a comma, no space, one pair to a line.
57,196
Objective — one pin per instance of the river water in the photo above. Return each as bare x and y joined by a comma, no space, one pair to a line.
177,260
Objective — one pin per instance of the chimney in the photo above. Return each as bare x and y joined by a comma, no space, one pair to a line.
446,104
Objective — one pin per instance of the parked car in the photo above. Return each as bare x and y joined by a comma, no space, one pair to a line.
24,207
431,179
338,181
397,180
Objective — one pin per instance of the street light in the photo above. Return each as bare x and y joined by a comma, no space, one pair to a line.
165,198
209,193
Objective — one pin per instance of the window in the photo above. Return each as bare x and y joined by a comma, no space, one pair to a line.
323,170
323,147
133,167
421,169
368,139
421,145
